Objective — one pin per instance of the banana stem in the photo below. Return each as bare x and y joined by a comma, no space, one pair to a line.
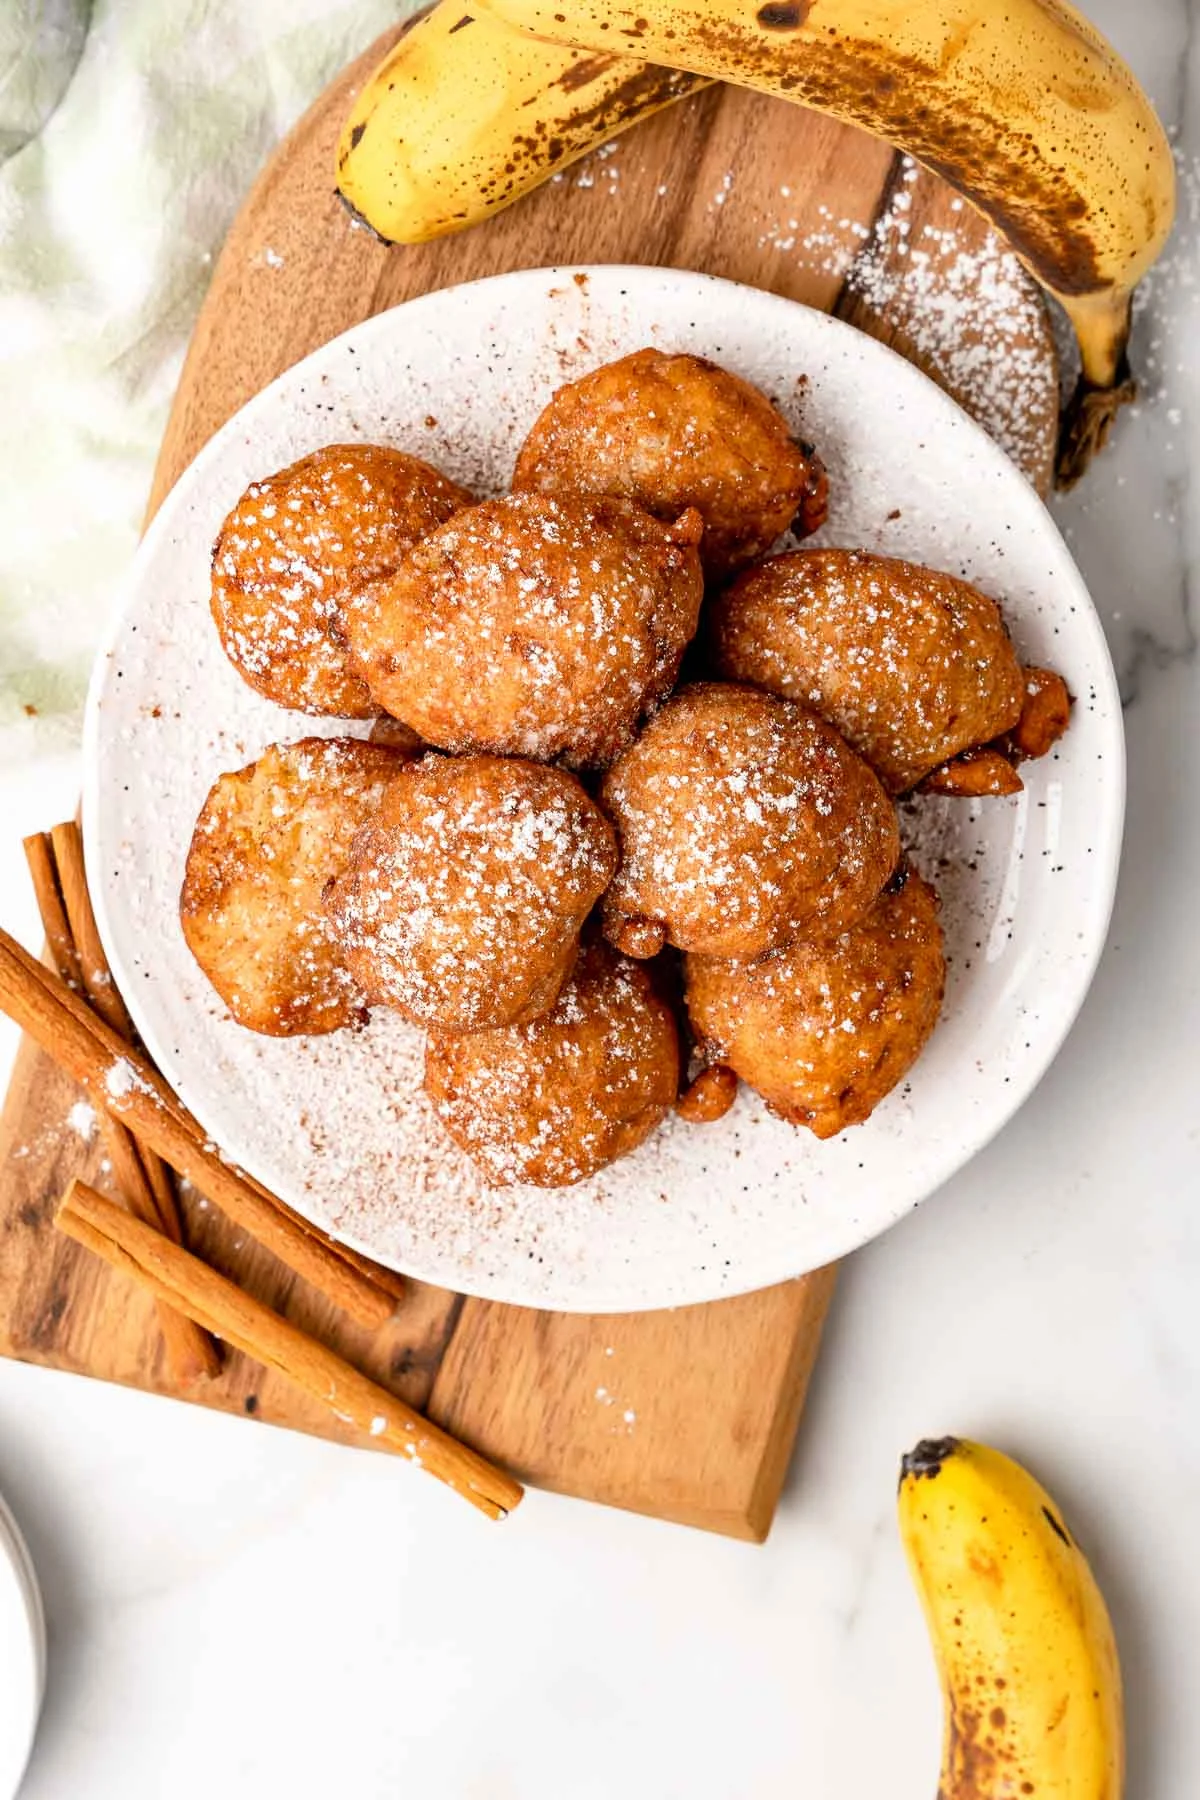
1101,323
1087,421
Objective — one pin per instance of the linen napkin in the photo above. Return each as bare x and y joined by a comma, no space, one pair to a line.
130,130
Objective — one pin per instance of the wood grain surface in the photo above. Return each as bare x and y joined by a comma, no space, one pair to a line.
691,1414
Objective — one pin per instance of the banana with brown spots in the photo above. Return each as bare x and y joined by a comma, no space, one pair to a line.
1021,1634
466,114
1019,104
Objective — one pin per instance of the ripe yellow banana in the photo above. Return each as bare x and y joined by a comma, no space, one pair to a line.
1019,104
465,115
1020,1631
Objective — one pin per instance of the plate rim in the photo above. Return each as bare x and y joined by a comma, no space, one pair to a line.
14,1551
1108,823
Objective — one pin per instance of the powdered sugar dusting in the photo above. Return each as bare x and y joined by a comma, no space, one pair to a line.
569,1091
465,894
961,302
339,1125
742,820
82,1121
302,544
121,1080
973,317
537,625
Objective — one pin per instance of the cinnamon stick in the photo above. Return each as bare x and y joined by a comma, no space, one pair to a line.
388,1279
120,1081
176,1276
67,843
191,1354
39,854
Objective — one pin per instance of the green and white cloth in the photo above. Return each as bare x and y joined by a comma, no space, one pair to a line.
161,113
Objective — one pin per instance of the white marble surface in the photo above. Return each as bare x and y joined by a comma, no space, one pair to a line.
240,1611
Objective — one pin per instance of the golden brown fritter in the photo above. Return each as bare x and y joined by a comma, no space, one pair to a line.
1045,715
743,820
462,902
673,431
535,626
267,840
823,1030
709,1097
552,1101
910,665
973,775
303,545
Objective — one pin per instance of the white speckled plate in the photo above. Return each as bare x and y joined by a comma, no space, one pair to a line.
22,1654
337,1126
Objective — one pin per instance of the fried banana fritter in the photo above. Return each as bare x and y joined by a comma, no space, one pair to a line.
674,431
552,1101
304,547
462,901
823,1030
268,838
535,626
912,666
743,820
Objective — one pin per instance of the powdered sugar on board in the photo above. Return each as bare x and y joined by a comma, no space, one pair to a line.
955,296
338,1126
971,316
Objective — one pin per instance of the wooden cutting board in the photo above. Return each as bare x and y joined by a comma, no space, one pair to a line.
689,1415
